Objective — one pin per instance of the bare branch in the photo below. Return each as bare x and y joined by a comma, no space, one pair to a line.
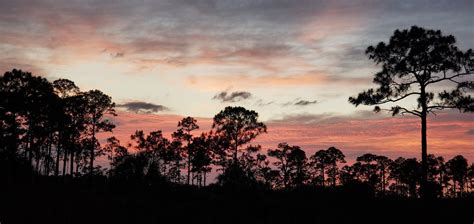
398,99
412,112
449,78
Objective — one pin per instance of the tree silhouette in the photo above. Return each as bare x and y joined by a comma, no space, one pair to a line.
297,163
457,168
326,162
201,158
291,162
368,168
265,174
97,105
27,109
406,172
183,134
470,176
69,121
412,61
383,168
175,156
234,127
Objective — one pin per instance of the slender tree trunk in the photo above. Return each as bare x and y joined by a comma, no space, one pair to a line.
58,146
322,173
204,178
64,161
234,156
37,164
29,143
383,180
71,166
334,176
189,164
48,162
92,149
424,145
178,173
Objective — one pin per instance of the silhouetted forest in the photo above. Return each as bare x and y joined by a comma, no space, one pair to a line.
49,150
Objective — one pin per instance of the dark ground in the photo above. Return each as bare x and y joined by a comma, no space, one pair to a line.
73,202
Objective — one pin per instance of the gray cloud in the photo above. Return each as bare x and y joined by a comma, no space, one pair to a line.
470,132
300,102
226,96
142,107
305,102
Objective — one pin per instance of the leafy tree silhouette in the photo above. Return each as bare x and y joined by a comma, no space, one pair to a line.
201,158
406,172
235,127
412,61
175,156
27,107
368,168
97,105
68,93
436,175
383,168
183,134
470,176
326,162
291,162
264,172
457,168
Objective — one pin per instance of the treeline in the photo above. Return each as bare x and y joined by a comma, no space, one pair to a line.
49,129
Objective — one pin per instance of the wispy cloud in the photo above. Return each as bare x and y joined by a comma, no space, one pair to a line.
299,102
305,102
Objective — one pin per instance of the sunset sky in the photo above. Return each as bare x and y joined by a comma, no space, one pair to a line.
295,62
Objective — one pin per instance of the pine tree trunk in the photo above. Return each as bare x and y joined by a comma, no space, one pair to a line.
178,173
334,177
71,167
424,145
92,149
56,171
48,162
64,162
189,165
322,173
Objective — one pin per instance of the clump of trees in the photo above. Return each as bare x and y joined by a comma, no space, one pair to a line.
51,126
50,129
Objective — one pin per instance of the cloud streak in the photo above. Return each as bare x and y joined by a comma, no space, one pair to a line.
142,107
